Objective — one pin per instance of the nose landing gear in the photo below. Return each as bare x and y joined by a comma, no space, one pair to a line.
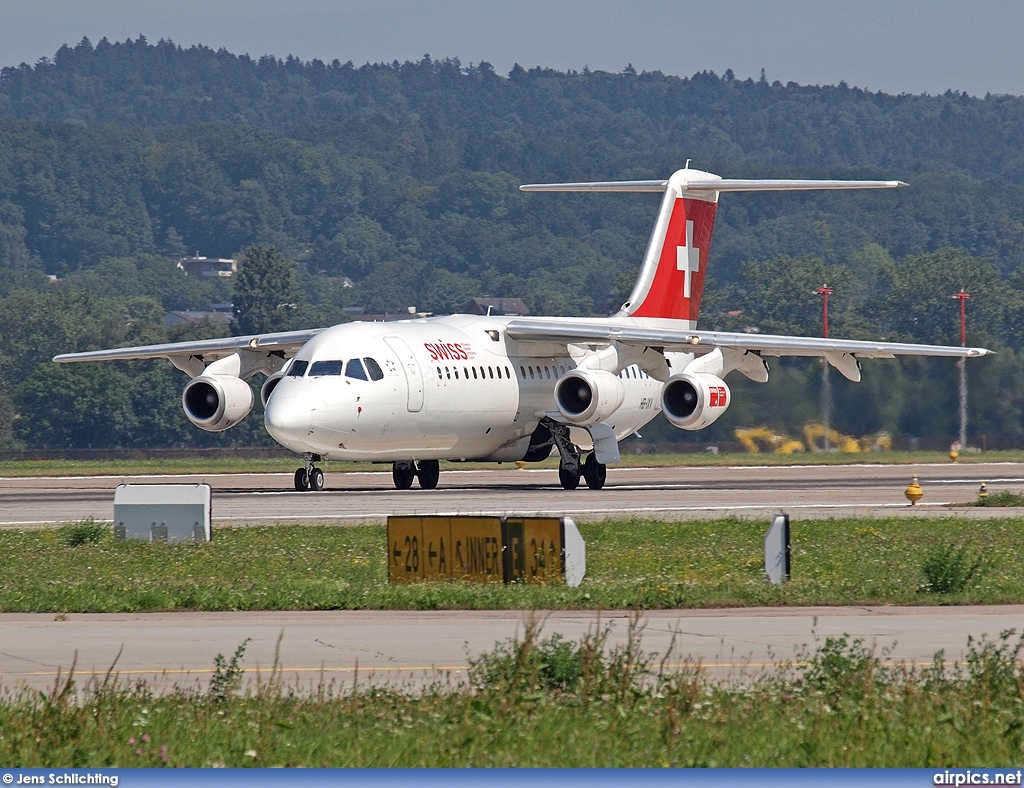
310,477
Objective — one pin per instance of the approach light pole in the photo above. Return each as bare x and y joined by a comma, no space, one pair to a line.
962,363
826,386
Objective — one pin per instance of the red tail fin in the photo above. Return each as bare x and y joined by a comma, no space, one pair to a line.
671,279
672,275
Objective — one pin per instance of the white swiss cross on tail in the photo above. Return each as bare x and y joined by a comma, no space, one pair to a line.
688,259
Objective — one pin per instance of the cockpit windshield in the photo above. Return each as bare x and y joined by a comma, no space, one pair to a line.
297,369
325,368
354,369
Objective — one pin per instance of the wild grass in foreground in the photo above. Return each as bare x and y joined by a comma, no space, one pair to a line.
201,465
551,702
630,564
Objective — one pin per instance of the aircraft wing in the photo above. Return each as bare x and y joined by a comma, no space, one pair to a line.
286,342
697,341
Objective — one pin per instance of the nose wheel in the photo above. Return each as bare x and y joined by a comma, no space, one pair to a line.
309,477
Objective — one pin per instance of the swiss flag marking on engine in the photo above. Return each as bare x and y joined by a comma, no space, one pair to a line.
718,397
688,259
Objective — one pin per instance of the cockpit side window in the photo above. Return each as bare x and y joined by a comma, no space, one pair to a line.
325,368
297,369
354,369
376,373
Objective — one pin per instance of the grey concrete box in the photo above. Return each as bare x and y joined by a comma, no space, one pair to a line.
162,512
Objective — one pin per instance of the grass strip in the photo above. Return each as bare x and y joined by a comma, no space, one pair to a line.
21,468
550,702
632,563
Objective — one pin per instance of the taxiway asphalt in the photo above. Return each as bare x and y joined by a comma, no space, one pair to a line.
412,649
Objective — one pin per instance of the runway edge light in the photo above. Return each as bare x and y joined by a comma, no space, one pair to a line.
777,550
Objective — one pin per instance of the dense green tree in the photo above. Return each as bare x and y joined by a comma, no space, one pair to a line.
265,293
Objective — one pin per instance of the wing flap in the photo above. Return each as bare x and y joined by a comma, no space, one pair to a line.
682,340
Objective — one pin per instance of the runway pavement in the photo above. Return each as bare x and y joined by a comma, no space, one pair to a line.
671,493
416,648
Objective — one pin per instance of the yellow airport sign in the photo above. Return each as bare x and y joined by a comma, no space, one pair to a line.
485,549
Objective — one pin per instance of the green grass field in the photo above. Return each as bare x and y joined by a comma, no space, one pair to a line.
551,702
16,468
630,564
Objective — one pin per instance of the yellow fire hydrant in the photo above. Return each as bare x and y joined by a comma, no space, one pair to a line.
914,492
983,493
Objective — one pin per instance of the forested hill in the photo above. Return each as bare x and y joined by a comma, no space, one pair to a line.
621,119
401,178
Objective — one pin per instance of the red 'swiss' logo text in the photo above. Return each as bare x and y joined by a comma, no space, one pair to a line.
449,351
718,397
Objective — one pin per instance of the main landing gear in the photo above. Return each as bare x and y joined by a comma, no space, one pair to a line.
427,471
570,470
309,477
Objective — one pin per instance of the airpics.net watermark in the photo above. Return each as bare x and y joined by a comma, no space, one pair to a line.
63,778
958,777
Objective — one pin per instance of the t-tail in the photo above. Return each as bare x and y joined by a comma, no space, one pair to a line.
671,279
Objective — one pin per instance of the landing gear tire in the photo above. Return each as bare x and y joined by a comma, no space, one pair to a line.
570,480
594,472
429,473
316,480
301,480
403,474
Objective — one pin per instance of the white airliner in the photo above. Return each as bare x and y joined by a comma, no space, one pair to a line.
466,387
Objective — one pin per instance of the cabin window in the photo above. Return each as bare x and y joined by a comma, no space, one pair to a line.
522,371
448,373
376,373
530,370
508,373
354,369
547,372
474,373
490,372
439,375
297,369
456,371
320,368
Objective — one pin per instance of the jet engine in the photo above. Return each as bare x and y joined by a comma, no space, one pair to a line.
692,401
216,402
586,396
269,385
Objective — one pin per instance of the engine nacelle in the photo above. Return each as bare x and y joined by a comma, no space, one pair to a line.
268,387
692,401
216,402
587,396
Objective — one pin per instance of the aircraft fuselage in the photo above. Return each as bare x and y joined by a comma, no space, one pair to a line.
451,388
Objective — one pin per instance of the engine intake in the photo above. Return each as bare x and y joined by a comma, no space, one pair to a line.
268,387
216,402
585,396
692,401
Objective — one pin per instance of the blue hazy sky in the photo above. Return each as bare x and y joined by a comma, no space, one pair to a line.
895,46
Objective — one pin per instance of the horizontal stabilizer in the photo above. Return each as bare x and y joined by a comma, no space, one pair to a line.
718,185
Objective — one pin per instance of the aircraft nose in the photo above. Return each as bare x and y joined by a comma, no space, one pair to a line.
289,416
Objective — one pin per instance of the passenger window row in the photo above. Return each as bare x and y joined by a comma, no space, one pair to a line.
542,373
633,373
470,373
365,369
